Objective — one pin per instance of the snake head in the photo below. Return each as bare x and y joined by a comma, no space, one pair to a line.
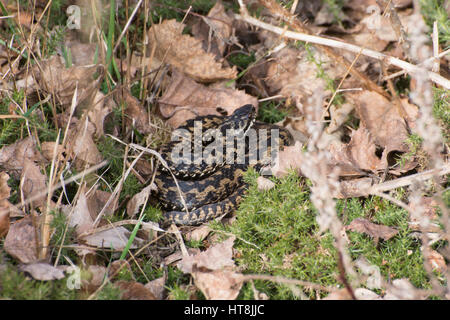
240,121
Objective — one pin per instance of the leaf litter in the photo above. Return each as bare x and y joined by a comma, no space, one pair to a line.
190,75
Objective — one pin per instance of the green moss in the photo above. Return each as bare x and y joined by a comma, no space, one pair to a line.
281,223
434,10
441,110
16,286
269,112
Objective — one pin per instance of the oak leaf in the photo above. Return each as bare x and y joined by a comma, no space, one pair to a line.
185,99
186,53
376,231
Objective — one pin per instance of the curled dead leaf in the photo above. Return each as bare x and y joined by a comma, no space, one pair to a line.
132,290
219,284
20,242
34,184
199,234
139,199
12,157
115,238
386,126
358,156
292,74
4,204
216,31
437,261
81,146
96,201
186,53
156,287
185,99
48,147
288,159
376,231
99,111
79,217
264,184
43,271
54,78
136,115
212,271
216,257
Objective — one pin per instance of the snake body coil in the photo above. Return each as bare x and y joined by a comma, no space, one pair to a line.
213,185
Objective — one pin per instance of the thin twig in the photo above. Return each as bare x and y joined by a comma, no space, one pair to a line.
408,67
408,180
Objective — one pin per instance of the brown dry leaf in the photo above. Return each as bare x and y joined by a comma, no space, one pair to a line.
386,127
79,217
12,157
117,267
48,148
185,53
218,284
216,257
82,54
362,5
198,234
358,155
296,127
81,146
353,188
82,220
54,78
215,33
98,112
97,199
288,159
132,290
4,204
43,271
33,183
339,115
437,261
185,99
156,287
139,199
376,231
115,238
339,294
212,271
20,242
177,256
264,184
95,275
135,113
291,74
402,289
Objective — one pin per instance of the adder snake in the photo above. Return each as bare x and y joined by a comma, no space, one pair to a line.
209,174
